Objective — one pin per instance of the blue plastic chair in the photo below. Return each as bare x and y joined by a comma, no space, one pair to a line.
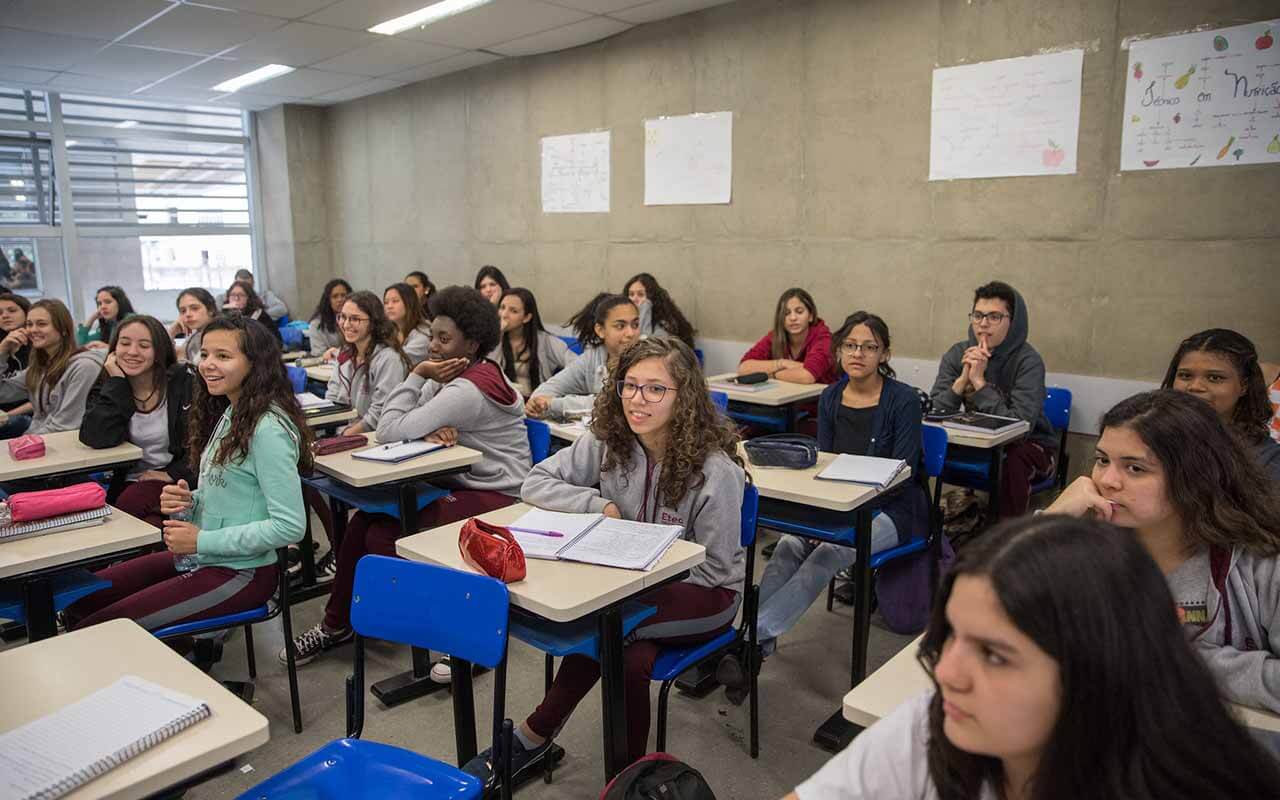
721,400
672,662
539,439
290,337
297,377
697,351
574,345
429,607
277,606
68,587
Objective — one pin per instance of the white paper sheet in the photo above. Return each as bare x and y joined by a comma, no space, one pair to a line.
623,543
1205,99
1016,116
575,173
688,160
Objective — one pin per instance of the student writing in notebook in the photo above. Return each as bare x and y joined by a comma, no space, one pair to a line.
1221,367
997,371
798,349
322,330
456,396
196,309
1058,671
527,354
605,326
659,314
659,451
58,378
145,399
866,413
1168,469
111,306
491,283
412,328
248,440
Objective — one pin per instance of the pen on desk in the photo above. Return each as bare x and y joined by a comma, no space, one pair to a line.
390,445
551,534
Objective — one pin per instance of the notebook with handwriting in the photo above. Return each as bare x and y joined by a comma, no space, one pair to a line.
869,470
593,539
62,751
395,452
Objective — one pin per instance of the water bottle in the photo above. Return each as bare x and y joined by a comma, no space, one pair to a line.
187,562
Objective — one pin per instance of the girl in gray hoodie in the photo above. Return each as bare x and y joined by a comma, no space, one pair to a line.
1168,468
658,451
370,364
605,326
58,379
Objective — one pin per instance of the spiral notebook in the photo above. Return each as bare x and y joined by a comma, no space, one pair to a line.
592,539
81,519
61,752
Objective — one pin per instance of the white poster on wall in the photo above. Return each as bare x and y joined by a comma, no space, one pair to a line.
575,173
1206,99
1016,116
688,160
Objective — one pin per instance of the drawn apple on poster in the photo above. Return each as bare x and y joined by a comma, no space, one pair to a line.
1053,155
1137,70
1264,41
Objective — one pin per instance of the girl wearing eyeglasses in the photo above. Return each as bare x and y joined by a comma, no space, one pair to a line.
659,451
997,371
866,413
370,364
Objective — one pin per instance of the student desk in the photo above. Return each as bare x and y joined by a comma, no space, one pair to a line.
65,455
779,394
294,355
320,372
44,677
994,444
902,677
563,591
567,431
330,418
32,562
801,487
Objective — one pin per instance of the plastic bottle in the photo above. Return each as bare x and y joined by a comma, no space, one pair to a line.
186,562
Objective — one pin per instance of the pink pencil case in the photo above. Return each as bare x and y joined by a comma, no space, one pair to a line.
31,506
26,447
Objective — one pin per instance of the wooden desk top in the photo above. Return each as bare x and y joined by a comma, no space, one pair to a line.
56,672
561,591
902,678
331,418
294,355
354,472
803,486
63,452
567,431
119,533
779,393
984,441
320,372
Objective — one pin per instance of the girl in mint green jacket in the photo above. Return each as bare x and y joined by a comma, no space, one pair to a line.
221,539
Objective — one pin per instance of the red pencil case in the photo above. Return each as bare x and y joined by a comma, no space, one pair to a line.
31,506
26,447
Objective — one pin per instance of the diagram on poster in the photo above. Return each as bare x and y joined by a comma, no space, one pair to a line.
1016,116
688,160
575,173
1206,99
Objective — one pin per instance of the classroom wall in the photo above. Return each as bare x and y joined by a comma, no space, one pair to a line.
830,190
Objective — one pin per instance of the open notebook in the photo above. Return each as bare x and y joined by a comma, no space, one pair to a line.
878,472
593,539
395,452
66,522
61,752
313,404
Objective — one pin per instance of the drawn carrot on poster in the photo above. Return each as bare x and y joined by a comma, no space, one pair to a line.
1226,148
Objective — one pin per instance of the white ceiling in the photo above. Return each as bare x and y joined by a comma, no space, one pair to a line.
177,50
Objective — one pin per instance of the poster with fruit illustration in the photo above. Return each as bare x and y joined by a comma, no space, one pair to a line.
1204,99
1016,116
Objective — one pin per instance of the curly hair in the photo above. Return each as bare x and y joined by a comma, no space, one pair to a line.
1252,414
382,333
1217,487
266,389
161,346
698,428
665,311
475,316
324,312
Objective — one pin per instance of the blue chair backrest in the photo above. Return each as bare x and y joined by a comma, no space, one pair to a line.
297,377
574,345
1057,407
697,351
290,337
539,438
935,449
431,607
283,322
720,399
750,511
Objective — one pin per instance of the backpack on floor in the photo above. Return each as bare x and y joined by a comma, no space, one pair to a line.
658,776
904,588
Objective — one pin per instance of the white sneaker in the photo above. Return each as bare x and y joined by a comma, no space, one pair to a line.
441,672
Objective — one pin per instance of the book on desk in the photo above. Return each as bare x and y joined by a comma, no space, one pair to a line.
975,422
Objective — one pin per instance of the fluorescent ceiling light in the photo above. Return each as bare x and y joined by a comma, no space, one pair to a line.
72,143
16,182
425,16
249,78
128,123
21,198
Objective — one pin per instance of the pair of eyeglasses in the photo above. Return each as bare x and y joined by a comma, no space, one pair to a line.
849,348
996,317
651,392
343,318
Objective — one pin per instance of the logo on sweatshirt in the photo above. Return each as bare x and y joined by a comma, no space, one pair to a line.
1193,613
668,518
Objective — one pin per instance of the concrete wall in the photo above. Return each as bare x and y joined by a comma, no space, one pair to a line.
831,151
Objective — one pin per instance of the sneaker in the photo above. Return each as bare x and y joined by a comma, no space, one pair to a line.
522,763
327,567
295,559
441,672
730,673
845,575
313,642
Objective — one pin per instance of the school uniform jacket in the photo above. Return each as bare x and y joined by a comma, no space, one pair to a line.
815,353
553,356
63,408
111,406
367,389
573,389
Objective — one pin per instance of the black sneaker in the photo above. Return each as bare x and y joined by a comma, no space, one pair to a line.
523,762
327,567
731,673
313,642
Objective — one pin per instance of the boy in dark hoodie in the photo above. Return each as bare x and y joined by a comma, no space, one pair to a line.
997,371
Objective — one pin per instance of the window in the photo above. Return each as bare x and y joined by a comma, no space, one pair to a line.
176,262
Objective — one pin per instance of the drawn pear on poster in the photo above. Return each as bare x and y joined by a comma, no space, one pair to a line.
1274,147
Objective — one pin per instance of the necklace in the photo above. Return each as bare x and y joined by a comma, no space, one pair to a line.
141,404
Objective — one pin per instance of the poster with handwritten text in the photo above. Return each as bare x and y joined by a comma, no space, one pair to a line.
1016,116
688,160
575,173
1205,99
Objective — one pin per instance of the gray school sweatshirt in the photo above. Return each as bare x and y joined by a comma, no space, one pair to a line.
322,340
417,345
419,406
1247,663
367,392
711,512
573,389
63,409
553,355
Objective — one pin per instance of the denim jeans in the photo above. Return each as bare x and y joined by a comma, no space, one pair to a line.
798,572
15,427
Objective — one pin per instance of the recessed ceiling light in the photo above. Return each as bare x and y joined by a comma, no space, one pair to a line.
256,76
128,123
425,16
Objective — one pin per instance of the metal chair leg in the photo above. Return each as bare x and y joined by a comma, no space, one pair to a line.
248,650
831,594
662,715
549,671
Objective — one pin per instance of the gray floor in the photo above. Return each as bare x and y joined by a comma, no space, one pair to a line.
799,687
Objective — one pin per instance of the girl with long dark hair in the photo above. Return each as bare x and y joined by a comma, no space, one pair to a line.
111,306
243,300
659,314
527,354
491,283
798,349
606,326
13,316
59,376
413,331
196,309
370,363
322,330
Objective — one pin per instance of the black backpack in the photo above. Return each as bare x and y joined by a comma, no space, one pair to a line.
658,776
